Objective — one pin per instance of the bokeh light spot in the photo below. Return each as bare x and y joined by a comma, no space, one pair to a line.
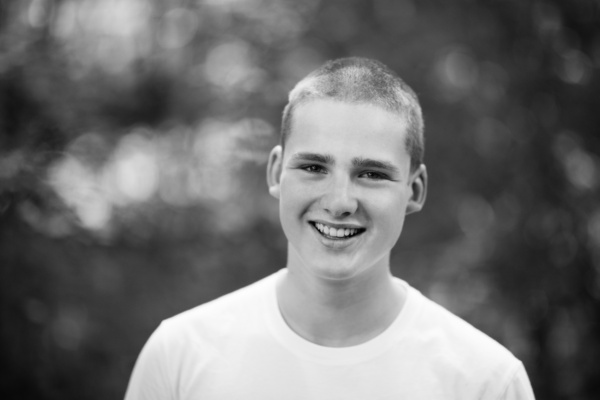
134,169
580,167
229,66
475,215
574,67
39,12
178,28
457,71
78,186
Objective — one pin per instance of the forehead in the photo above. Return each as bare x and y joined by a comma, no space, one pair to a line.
348,129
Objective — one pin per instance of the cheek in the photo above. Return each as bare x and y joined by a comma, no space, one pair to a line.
296,191
294,198
290,193
390,211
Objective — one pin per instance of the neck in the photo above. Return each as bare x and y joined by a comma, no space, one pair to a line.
339,313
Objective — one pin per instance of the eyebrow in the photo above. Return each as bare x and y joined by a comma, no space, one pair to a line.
370,163
357,162
321,158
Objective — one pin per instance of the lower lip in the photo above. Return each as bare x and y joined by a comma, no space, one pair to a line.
335,242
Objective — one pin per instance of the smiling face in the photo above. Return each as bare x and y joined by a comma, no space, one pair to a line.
344,186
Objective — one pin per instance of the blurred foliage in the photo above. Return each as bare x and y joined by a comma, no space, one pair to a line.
133,142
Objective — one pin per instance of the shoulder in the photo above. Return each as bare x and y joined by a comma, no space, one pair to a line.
184,345
219,318
455,345
438,323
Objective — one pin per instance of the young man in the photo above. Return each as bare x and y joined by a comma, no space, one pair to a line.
334,324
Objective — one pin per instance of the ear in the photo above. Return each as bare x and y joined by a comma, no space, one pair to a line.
274,170
419,190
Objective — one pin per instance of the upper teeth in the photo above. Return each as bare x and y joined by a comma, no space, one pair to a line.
330,231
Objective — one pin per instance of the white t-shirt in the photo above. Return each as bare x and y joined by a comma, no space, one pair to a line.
239,347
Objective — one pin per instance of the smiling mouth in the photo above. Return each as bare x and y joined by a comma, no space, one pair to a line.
331,232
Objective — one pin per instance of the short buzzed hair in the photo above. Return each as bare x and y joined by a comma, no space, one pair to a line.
361,80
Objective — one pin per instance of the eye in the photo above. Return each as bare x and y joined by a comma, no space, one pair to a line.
376,176
315,169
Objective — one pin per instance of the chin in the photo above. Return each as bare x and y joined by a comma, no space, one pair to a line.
334,273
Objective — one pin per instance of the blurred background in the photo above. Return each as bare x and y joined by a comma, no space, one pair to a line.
133,143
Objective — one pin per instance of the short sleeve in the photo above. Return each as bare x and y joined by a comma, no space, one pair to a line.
519,388
150,377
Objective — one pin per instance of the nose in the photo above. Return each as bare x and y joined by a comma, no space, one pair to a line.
339,199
